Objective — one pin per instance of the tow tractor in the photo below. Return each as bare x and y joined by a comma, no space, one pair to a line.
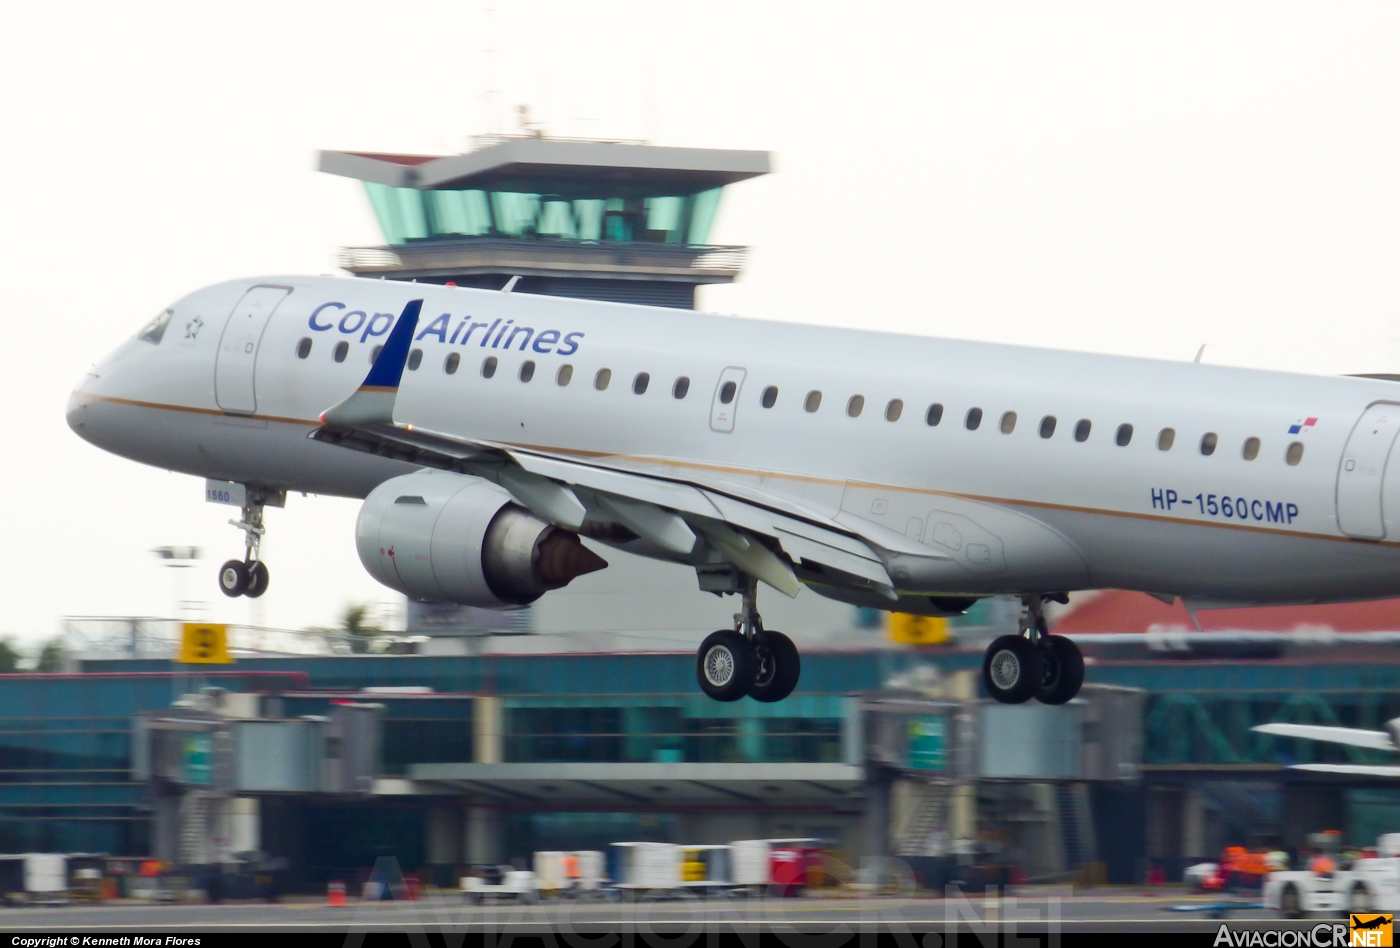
1365,885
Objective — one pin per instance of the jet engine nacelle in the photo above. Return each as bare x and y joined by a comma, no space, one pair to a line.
443,537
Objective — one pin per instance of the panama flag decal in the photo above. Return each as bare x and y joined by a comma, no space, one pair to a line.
1301,425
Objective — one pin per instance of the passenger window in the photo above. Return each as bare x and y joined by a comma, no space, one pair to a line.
1082,429
374,354
527,370
934,415
601,380
1165,439
894,409
488,368
855,406
450,364
813,402
1208,441
640,383
415,359
1123,436
1047,426
565,374
770,397
727,392
1295,453
974,418
1008,422
304,347
342,349
681,388
1251,449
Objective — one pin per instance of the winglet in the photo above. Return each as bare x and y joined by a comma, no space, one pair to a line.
387,370
373,402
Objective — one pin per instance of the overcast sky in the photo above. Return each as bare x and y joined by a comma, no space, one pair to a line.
1131,178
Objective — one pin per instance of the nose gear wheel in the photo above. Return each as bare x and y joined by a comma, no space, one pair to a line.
250,577
233,579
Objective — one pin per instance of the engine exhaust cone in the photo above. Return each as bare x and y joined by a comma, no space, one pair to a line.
562,559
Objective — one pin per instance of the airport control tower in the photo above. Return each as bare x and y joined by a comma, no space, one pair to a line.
618,221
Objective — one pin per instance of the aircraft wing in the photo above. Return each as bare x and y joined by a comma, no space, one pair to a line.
670,510
1359,770
1355,737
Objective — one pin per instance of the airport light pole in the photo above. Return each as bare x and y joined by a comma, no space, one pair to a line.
178,559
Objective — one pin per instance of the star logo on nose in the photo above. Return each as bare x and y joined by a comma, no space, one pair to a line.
193,327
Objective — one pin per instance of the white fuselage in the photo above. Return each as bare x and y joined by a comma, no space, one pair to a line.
226,394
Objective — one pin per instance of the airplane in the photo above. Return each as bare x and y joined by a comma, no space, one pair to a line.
490,433
1355,737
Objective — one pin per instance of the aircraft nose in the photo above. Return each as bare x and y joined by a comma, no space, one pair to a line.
76,413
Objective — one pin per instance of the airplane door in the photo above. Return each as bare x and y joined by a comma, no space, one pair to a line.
238,348
1362,472
726,401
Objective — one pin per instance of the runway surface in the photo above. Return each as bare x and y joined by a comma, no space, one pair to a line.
1029,910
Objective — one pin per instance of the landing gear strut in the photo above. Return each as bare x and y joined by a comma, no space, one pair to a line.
249,577
748,659
1033,663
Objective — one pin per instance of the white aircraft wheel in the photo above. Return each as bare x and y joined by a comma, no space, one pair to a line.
257,580
724,665
778,667
1011,669
233,579
1063,670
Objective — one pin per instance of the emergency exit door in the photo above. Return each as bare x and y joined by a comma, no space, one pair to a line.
238,348
726,401
1362,472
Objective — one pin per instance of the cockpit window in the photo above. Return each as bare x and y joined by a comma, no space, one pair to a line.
155,329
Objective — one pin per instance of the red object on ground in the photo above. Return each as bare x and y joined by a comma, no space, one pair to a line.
411,886
335,894
1156,875
786,868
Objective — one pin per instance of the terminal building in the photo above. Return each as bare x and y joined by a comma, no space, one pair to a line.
445,762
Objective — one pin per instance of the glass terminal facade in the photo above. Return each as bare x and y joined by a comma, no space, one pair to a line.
407,215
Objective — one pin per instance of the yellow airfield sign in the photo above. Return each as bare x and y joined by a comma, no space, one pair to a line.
918,630
204,643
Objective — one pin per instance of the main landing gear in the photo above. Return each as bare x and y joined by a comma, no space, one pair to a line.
249,577
1033,663
748,659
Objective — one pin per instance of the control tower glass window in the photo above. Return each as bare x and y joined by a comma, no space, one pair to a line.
407,215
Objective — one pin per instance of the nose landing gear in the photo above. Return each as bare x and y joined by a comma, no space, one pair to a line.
250,576
1033,663
748,659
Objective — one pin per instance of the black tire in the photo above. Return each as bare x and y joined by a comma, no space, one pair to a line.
1288,902
724,665
1359,902
233,579
257,580
1062,670
1011,669
777,667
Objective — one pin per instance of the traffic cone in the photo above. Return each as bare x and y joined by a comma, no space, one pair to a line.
335,894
